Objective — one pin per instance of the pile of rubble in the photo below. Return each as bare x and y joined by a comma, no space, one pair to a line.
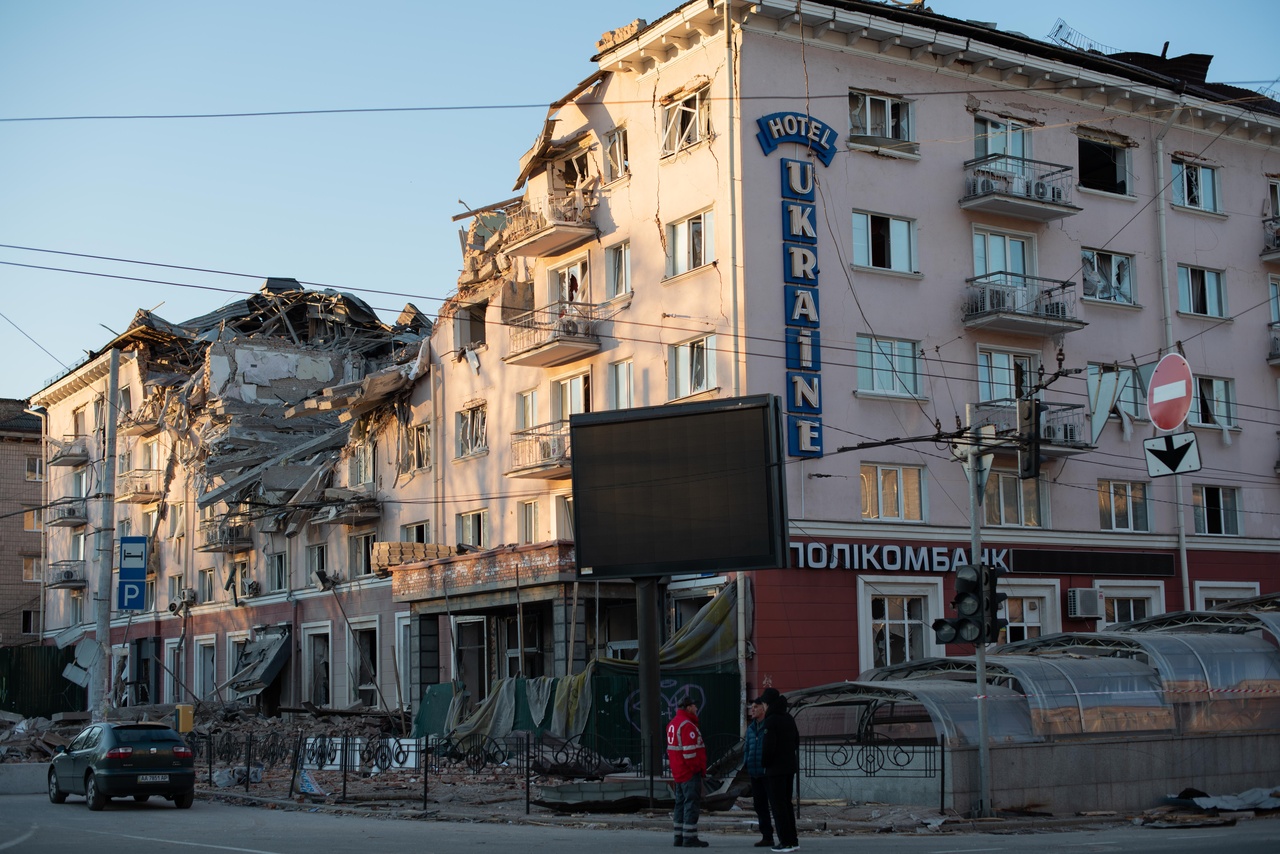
36,739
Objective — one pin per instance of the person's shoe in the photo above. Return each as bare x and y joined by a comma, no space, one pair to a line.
785,848
696,843
679,842
764,843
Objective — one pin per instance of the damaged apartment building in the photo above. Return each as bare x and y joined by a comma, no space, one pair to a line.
894,220
216,440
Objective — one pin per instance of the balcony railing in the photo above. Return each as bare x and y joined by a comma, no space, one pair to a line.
549,225
1016,186
1271,239
1021,304
68,513
139,486
1273,354
140,422
66,574
554,335
1064,427
232,533
541,451
73,450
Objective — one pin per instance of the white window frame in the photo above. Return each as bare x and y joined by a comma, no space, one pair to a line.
690,243
1017,251
1108,274
1005,374
1195,186
895,248
404,656
686,121
469,325
527,409
1048,595
1000,136
360,553
571,396
621,384
33,519
309,633
317,560
1273,298
692,367
571,282
1231,590
354,663
420,446
879,117
1201,288
35,469
360,470
888,366
1213,402
172,677
1228,517
277,564
472,440
528,522
893,493
893,586
204,681
617,163
1150,591
471,523
617,265
206,586
418,532
564,516
32,568
1001,485
1123,182
1137,510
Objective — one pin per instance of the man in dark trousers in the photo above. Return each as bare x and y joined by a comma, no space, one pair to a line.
780,757
753,753
688,758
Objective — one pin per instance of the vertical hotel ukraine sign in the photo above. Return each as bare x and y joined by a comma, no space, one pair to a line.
800,272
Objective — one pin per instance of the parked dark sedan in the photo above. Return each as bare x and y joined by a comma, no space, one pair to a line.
112,760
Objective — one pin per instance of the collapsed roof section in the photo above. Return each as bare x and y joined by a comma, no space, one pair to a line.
236,391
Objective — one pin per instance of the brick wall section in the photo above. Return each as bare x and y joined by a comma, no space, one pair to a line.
20,436
496,569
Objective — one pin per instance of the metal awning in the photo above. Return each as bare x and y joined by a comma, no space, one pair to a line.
261,661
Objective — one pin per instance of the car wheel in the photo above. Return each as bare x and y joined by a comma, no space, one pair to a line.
142,799
55,794
92,795
183,800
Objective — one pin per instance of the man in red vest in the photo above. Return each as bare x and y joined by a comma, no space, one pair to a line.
688,757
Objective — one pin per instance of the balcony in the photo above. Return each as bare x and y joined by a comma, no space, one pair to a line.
140,422
68,513
231,533
73,450
1018,187
1271,239
1064,427
139,486
66,575
1273,353
560,333
541,451
549,225
1020,304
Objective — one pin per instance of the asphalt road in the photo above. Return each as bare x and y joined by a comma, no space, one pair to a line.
29,824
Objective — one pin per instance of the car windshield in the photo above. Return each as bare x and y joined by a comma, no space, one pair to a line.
142,735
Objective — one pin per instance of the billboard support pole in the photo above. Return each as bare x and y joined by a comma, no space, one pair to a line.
652,727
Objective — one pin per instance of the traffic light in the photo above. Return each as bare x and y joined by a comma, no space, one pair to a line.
967,626
991,601
1029,412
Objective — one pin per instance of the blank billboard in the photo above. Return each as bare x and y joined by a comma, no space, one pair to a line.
687,488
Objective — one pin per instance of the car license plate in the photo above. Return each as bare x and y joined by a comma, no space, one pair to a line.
153,778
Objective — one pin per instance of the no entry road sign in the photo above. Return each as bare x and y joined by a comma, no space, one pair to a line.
1169,394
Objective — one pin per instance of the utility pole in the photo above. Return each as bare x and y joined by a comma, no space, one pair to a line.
979,464
104,551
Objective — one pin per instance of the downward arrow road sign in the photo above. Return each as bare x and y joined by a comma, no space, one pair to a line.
1173,454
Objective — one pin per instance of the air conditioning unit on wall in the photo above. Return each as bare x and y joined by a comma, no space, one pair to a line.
188,595
1086,603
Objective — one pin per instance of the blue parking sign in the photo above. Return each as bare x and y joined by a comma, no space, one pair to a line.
131,595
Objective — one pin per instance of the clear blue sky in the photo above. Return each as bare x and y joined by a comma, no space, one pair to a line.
354,201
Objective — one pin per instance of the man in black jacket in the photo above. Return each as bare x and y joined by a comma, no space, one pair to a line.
780,757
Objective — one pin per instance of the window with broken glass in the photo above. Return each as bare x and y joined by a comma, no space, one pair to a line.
362,462
690,243
361,553
687,121
419,532
1213,402
1104,166
1201,291
616,163
1195,186
1022,615
876,118
473,529
471,432
693,367
420,446
240,572
898,626
1107,276
470,325
277,571
618,269
1132,399
205,585
570,282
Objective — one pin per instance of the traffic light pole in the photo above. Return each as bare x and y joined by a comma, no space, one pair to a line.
980,646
